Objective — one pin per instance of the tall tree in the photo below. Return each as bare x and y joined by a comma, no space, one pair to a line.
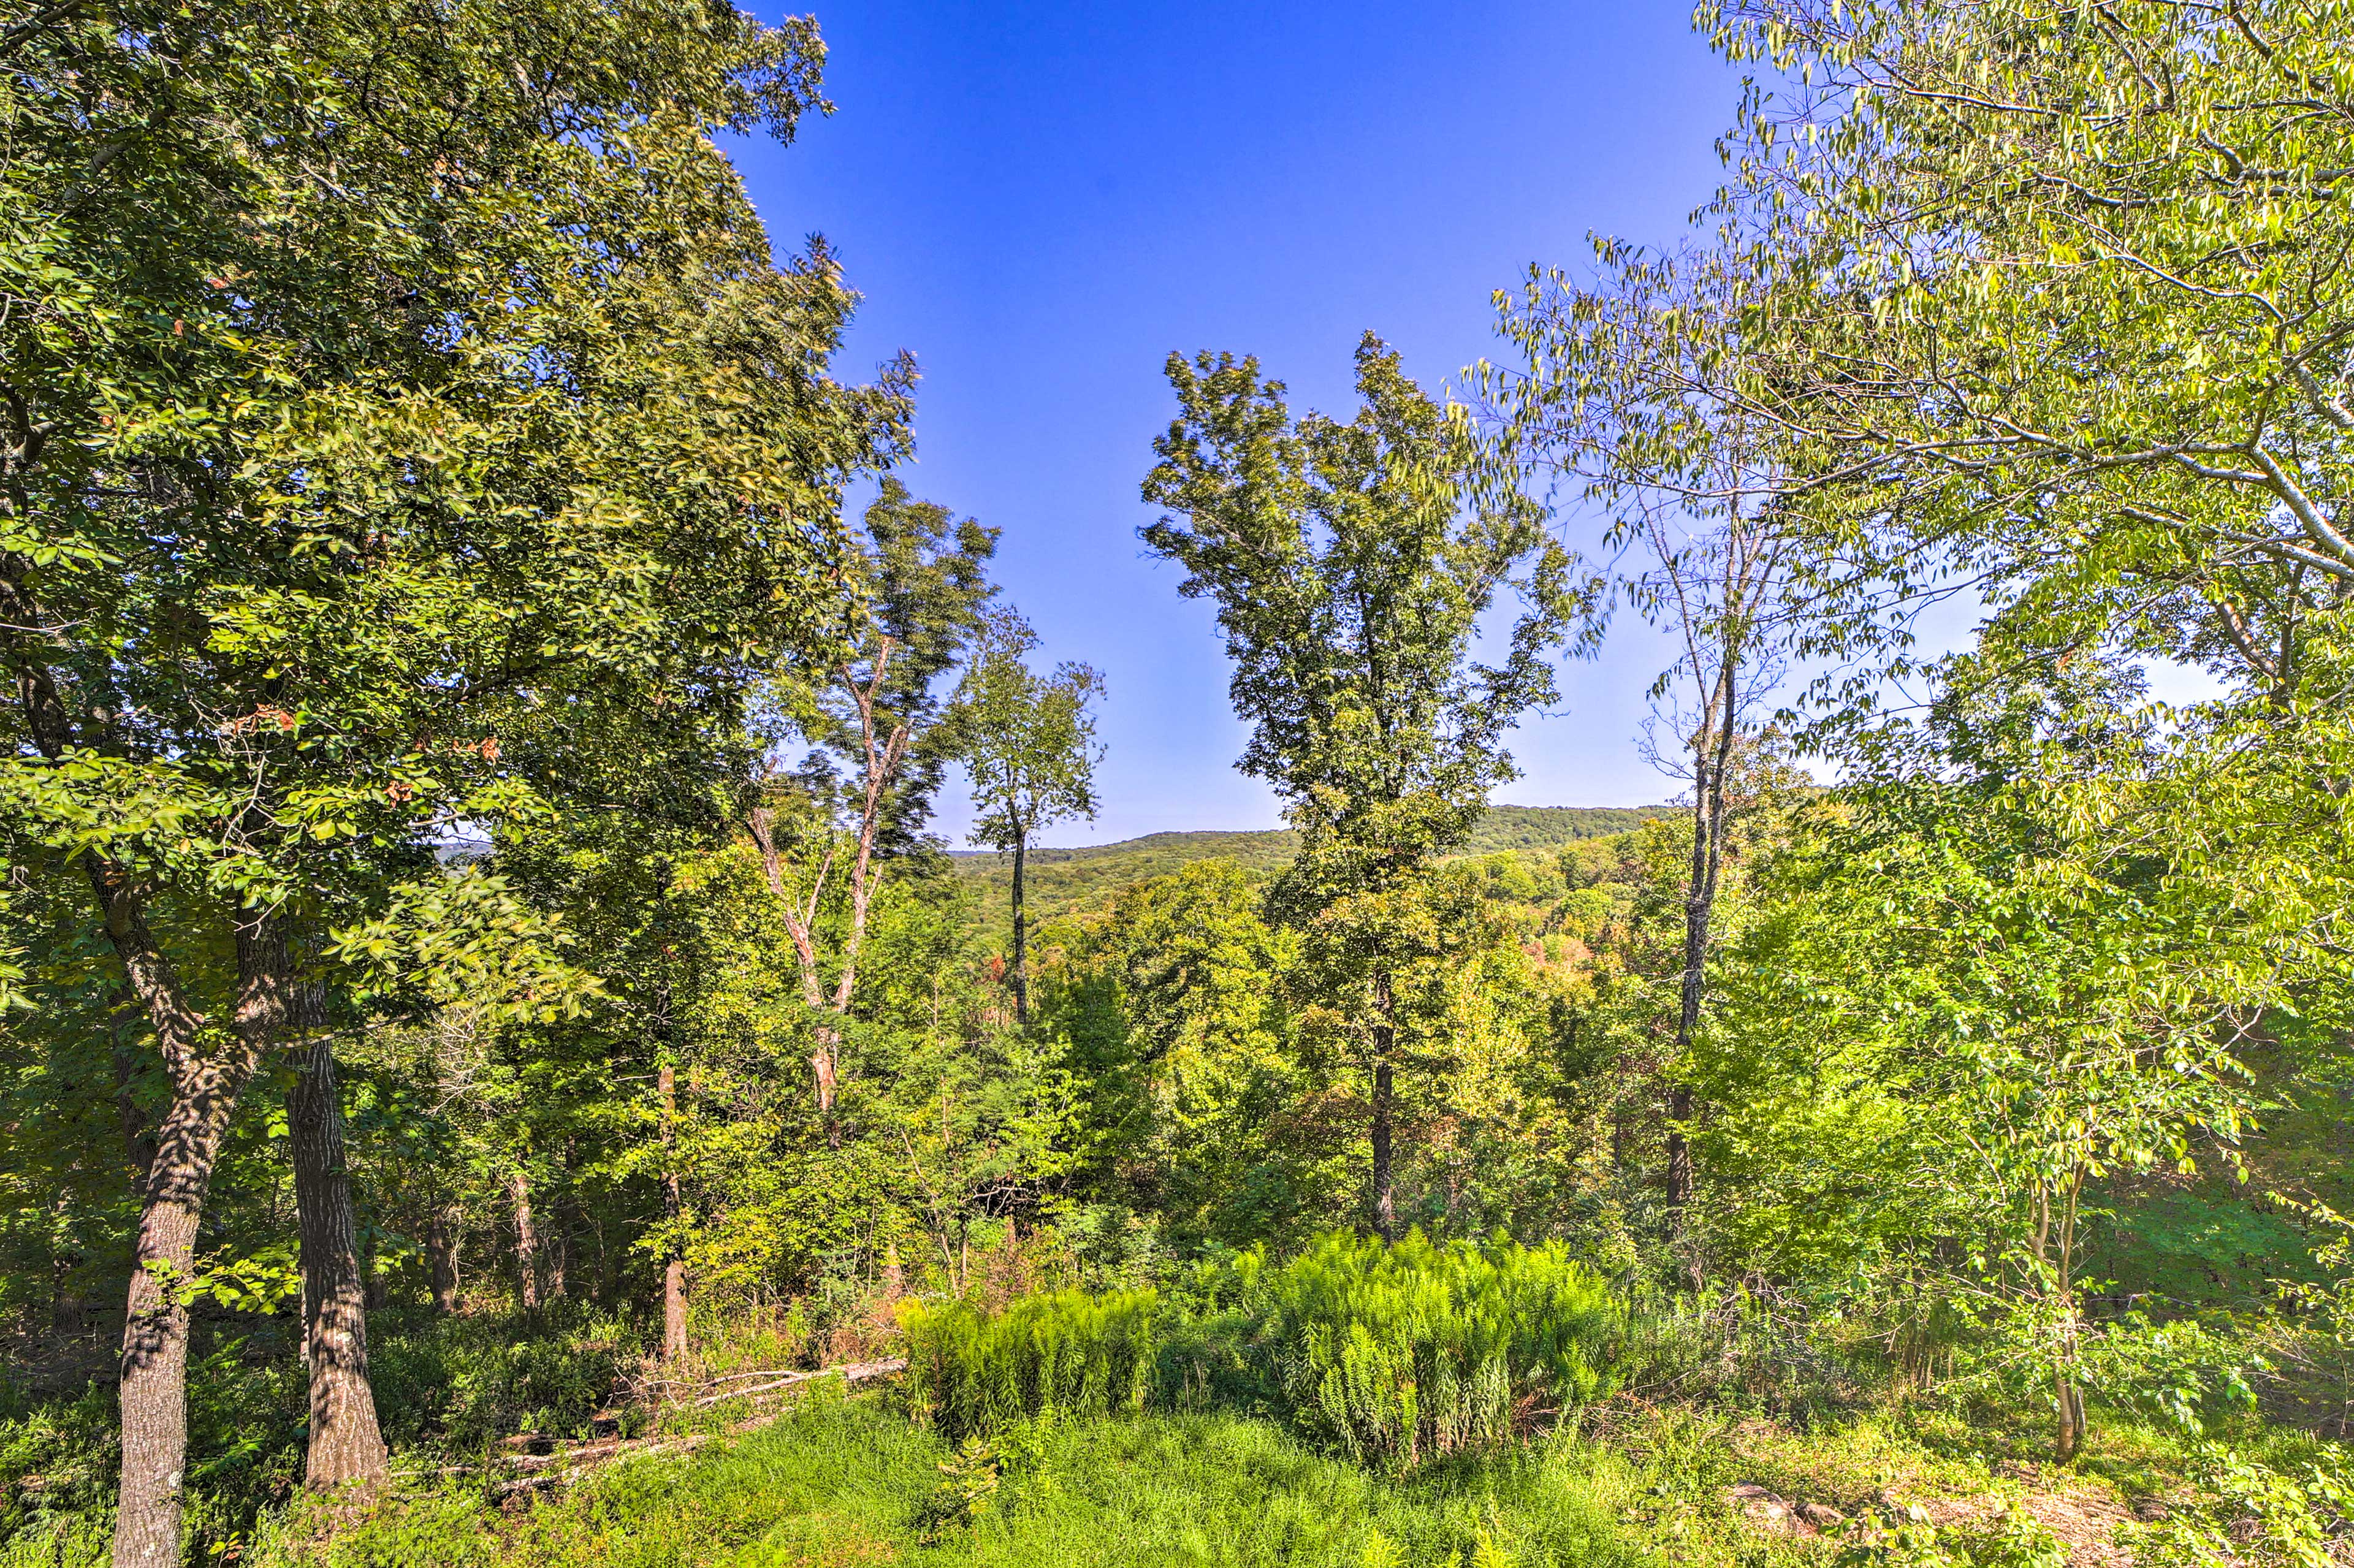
2057,300
1028,742
873,720
1351,565
317,461
1611,399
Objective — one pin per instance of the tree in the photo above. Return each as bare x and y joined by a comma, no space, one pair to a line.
1351,564
318,463
1172,1006
1613,397
2055,304
873,720
1028,743
2016,1003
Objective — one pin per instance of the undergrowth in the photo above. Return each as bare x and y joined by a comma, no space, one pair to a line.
445,1387
849,1482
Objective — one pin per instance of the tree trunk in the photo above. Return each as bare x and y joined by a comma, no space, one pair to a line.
608,1264
526,1241
1680,1159
138,1138
556,1246
1385,1041
2071,1434
822,1064
67,1308
1020,932
346,1448
185,1145
673,1209
154,1390
1712,760
441,1258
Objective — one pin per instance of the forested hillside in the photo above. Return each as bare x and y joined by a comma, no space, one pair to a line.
1923,1145
1066,881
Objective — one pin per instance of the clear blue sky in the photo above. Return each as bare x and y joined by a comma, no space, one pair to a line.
1041,200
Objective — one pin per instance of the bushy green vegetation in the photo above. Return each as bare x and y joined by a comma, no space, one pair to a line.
409,431
858,1484
1400,1354
1393,1356
1062,1355
1070,882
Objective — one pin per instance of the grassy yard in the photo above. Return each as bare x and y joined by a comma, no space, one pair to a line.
846,1483
851,1482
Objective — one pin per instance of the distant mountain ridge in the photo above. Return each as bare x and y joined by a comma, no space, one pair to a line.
1062,880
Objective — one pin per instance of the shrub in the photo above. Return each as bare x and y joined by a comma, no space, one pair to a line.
529,1385
1065,1353
468,1381
2240,1513
1396,1354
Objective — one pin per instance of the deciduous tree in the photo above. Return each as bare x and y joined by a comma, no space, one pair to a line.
318,458
1351,564
1028,742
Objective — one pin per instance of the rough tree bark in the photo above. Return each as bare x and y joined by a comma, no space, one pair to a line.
526,1241
179,1153
347,1447
153,1389
441,1258
181,1149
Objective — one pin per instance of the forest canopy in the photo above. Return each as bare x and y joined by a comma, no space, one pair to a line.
501,1059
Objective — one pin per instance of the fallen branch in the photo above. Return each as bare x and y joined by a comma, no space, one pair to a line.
585,1459
857,1371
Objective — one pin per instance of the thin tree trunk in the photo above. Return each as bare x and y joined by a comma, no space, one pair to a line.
2069,1396
1699,900
822,1064
1712,760
67,1308
1020,932
1385,1041
1680,1159
556,1246
441,1258
883,757
526,1241
609,1282
138,1137
673,1254
347,1447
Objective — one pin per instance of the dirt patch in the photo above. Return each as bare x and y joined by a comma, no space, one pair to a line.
2084,1520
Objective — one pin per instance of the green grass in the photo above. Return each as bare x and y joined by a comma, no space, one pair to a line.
843,1483
846,1481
